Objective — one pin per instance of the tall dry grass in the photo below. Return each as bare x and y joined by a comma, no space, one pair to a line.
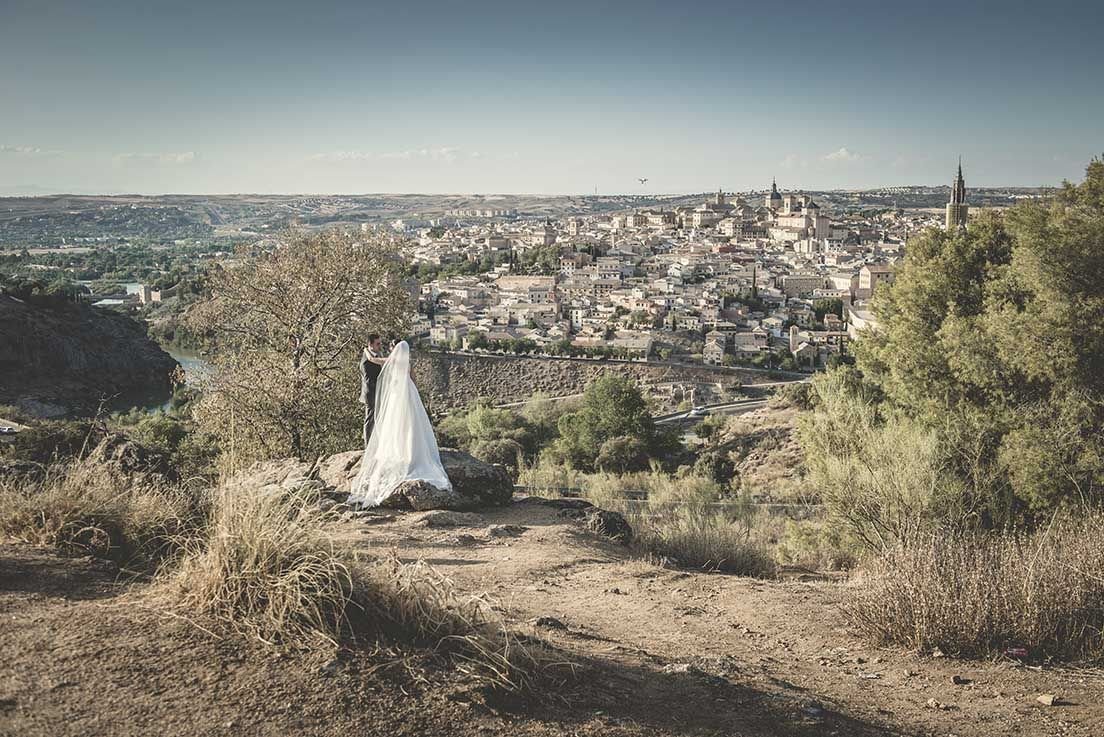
90,508
975,594
270,568
705,538
690,521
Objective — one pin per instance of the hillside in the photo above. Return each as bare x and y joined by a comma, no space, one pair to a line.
65,358
660,651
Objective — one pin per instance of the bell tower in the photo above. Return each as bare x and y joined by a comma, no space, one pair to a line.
957,209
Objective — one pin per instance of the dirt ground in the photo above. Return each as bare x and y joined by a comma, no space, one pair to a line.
661,652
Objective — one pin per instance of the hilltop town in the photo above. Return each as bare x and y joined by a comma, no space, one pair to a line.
770,280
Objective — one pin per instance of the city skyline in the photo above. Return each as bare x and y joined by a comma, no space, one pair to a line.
491,97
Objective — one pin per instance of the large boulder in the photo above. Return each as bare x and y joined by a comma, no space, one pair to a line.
474,483
130,457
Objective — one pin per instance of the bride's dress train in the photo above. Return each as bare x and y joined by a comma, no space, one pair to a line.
402,446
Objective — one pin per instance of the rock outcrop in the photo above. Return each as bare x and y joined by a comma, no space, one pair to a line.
475,484
66,358
610,524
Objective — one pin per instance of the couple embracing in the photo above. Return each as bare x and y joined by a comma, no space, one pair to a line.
399,444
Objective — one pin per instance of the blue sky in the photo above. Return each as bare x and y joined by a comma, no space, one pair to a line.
555,97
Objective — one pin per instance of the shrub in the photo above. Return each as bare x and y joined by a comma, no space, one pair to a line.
976,594
885,478
817,545
702,538
49,440
505,452
622,454
91,508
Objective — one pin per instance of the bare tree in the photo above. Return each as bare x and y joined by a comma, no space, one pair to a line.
288,322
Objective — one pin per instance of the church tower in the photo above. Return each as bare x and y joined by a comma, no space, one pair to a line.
774,199
957,209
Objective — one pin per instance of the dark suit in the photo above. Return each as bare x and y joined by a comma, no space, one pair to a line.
369,373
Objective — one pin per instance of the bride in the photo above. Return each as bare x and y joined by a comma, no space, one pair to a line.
402,446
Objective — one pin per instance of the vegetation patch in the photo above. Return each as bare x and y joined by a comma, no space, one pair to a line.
980,594
90,508
269,569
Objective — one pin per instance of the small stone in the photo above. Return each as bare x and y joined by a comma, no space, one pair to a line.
937,653
674,668
442,518
1049,699
506,530
550,623
933,704
869,676
959,680
908,673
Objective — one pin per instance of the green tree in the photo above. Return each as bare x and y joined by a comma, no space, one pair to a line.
829,306
993,338
612,407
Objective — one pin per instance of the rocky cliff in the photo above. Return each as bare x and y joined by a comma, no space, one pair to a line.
66,358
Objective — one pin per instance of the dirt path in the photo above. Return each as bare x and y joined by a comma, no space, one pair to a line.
662,652
783,646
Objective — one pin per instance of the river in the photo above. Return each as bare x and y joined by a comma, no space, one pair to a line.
196,368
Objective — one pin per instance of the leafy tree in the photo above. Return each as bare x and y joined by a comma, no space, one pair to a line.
829,306
612,407
993,338
289,324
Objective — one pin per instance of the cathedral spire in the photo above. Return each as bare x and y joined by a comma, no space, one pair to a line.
957,209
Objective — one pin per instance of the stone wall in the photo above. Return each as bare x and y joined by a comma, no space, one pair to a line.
449,380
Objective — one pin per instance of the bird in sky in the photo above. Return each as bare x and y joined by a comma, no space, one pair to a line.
643,180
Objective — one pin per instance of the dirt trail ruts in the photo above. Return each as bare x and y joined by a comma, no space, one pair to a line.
661,652
783,643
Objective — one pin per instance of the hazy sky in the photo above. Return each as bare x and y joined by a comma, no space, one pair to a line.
550,97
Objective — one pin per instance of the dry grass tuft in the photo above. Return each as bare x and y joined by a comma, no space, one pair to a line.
976,595
416,603
705,538
90,508
269,569
265,568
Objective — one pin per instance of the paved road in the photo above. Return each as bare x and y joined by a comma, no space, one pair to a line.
730,408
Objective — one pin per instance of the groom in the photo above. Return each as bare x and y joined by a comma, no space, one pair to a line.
371,363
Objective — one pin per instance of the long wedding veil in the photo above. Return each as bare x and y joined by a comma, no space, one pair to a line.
402,446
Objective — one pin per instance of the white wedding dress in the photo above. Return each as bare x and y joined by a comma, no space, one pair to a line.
402,446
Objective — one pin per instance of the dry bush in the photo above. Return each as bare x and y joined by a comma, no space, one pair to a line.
264,568
268,568
977,594
705,538
88,507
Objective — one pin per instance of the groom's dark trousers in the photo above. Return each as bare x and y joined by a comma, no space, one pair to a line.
369,372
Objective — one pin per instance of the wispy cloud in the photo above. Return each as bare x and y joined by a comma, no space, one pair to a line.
27,151
792,161
342,156
183,157
446,154
843,154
